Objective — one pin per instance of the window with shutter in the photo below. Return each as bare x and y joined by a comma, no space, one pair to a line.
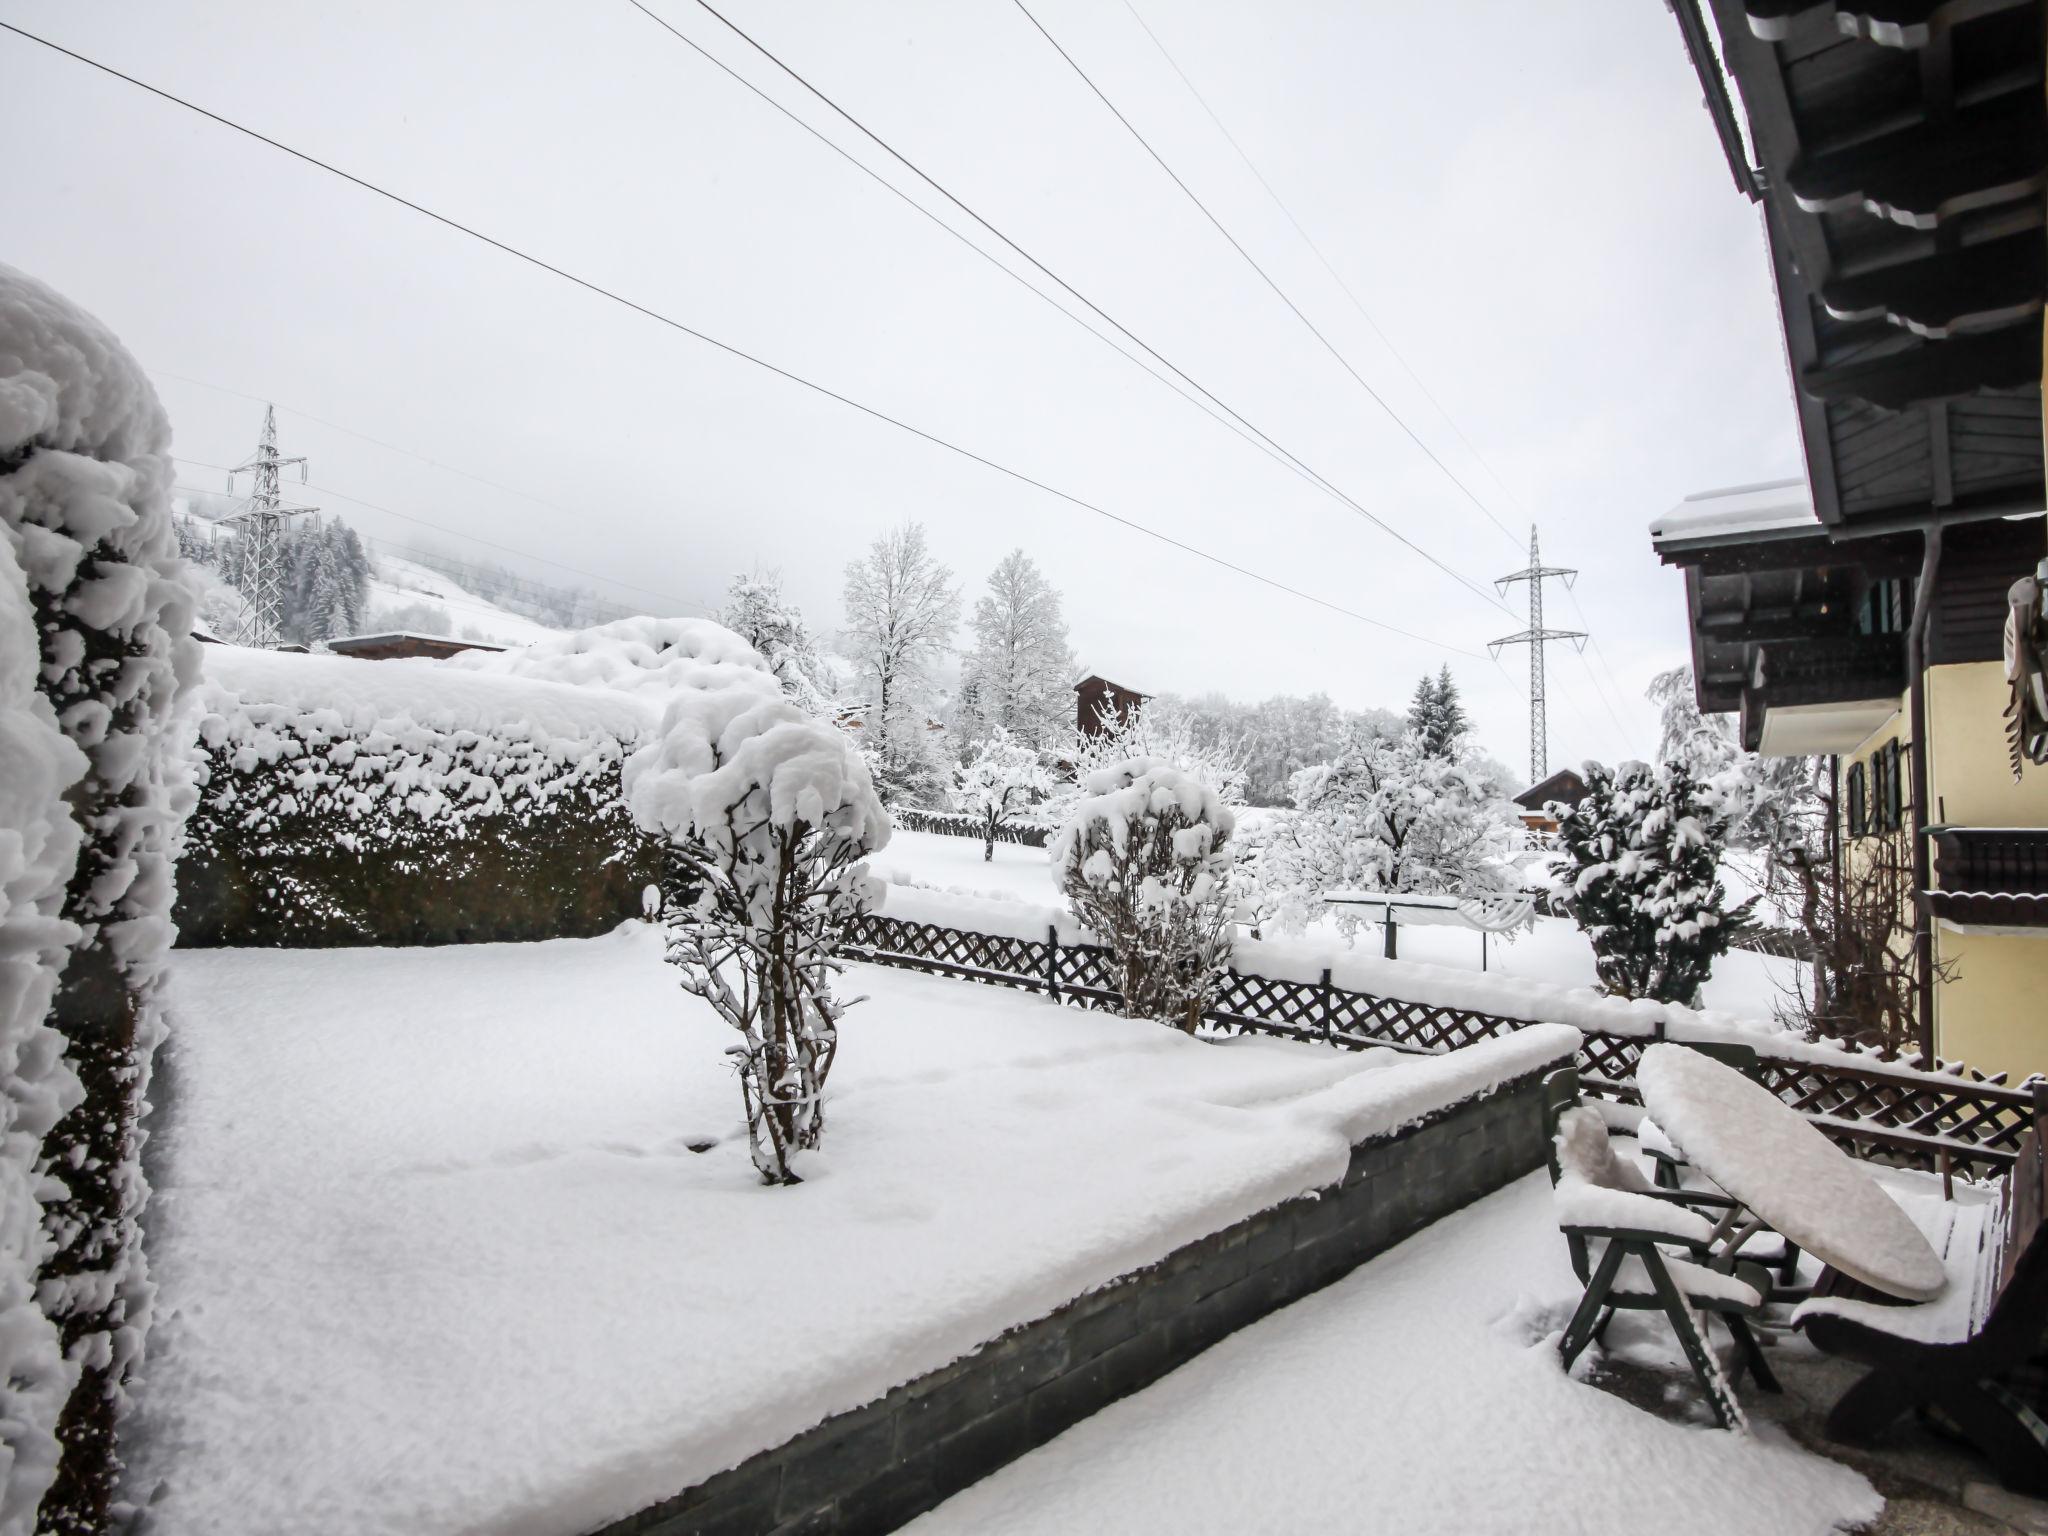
1858,800
1894,788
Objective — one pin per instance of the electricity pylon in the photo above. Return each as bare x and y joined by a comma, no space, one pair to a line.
1535,637
258,571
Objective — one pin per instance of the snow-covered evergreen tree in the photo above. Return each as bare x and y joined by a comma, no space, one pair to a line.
1019,675
1389,814
1435,715
1000,779
757,610
1145,861
85,485
768,813
1638,863
901,610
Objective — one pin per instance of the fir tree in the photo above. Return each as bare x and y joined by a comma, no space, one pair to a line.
1435,715
1639,866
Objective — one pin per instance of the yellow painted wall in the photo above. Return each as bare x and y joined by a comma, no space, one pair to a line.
1994,1013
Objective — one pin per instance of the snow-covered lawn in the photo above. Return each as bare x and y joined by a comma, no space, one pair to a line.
437,1255
1419,1395
1745,984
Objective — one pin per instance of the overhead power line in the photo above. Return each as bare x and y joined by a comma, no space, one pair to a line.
1286,454
1335,276
733,351
1251,261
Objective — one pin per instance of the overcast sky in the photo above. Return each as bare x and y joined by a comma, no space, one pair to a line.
1529,200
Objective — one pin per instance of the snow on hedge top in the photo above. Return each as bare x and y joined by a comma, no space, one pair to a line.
731,763
67,383
643,655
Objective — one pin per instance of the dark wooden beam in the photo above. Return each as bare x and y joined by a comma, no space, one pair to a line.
1979,287
1928,171
1932,370
1893,23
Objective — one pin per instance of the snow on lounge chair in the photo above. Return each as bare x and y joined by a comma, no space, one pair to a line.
1620,1227
1950,1354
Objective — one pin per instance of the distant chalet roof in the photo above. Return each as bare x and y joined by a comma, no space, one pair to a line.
1565,785
1741,514
404,642
1094,678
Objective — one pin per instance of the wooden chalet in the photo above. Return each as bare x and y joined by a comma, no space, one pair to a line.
404,643
1097,699
1884,611
1564,787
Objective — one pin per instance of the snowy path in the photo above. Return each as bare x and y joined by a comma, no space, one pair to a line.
1412,1397
436,1256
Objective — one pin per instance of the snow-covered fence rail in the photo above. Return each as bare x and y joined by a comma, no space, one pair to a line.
1028,834
1889,1110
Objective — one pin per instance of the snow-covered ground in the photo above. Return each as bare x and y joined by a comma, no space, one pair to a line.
1421,1395
439,1254
1744,984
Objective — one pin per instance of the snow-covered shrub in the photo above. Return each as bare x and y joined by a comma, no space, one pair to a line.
1167,731
1000,779
1145,861
649,656
402,802
85,483
768,813
1638,865
38,850
1390,814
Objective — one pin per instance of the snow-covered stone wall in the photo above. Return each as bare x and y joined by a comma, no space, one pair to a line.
85,518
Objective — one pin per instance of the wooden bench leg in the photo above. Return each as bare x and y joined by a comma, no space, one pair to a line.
1578,1333
2011,1436
1864,1412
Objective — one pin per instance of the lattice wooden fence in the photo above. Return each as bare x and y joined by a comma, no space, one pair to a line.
1911,1118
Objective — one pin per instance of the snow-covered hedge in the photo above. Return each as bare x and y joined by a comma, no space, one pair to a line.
355,802
38,851
85,482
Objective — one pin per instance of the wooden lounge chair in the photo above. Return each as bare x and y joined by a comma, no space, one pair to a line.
1623,1230
1955,1354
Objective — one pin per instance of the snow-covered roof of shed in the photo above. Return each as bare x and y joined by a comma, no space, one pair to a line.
1771,508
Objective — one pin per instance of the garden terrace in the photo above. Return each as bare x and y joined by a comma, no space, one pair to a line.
1356,1002
366,1217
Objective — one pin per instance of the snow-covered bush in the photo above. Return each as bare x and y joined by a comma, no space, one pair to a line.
648,656
1001,778
1145,861
1165,730
768,814
85,510
38,850
1638,865
401,802
1390,814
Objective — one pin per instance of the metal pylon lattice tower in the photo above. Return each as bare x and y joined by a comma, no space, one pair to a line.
1536,637
258,569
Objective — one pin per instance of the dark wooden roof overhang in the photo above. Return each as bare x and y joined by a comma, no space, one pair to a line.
1780,622
1901,158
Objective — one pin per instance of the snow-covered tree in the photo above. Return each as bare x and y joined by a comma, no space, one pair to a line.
768,814
1001,778
757,611
1389,814
1145,861
1638,863
1019,675
1436,716
85,510
1166,730
901,610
